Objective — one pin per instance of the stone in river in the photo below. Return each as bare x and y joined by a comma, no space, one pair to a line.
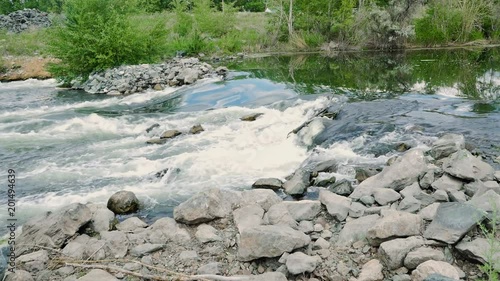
251,117
123,202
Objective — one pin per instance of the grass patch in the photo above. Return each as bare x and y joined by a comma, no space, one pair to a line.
28,43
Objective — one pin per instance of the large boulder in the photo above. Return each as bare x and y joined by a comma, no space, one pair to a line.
102,218
263,197
206,205
167,230
299,182
356,230
248,216
123,202
480,250
447,145
393,252
268,183
394,224
303,210
53,229
336,205
421,255
269,241
463,165
403,172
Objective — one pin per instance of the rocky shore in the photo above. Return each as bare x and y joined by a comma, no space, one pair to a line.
25,19
429,215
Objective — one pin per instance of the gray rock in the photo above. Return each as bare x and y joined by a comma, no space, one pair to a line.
268,183
401,277
367,200
393,252
131,224
94,250
480,250
457,196
472,187
76,248
97,274
123,202
196,129
321,243
268,276
210,268
132,266
337,206
441,196
248,216
428,213
53,229
278,215
206,233
116,244
167,230
362,173
298,183
452,221
430,267
324,180
409,204
488,202
376,210
384,196
152,127
342,187
356,210
188,255
463,165
421,255
303,209
206,206
329,166
394,224
426,180
260,241
18,275
447,183
34,262
483,187
145,249
251,117
169,134
306,226
411,190
263,197
102,217
438,277
447,145
299,262
371,271
356,230
156,141
405,171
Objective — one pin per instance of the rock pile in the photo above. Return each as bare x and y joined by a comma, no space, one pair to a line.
415,220
22,20
137,78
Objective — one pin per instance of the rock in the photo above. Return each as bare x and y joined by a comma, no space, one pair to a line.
425,199
411,190
167,230
447,145
76,248
484,187
421,255
429,267
278,215
189,255
438,277
251,117
356,210
337,206
221,70
102,218
19,275
263,197
428,213
452,221
157,141
463,165
329,166
324,180
447,183
385,196
123,202
457,196
321,243
196,129
394,224
145,249
362,173
371,271
298,183
24,19
376,210
299,262
480,250
342,187
260,241
248,216
97,274
441,196
367,200
207,233
169,134
401,277
409,204
210,268
393,252
303,209
306,226
356,230
94,249
116,244
488,202
34,262
268,276
131,224
268,183
152,127
53,229
426,180
206,206
405,171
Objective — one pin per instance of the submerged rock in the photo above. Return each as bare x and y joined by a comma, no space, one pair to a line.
251,117
123,202
169,134
196,129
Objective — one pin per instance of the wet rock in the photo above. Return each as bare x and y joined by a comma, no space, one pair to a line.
251,117
299,262
405,171
116,244
342,187
463,165
402,147
263,197
97,274
479,250
152,127
268,183
145,249
447,183
371,271
428,213
384,196
421,255
298,183
362,173
260,241
324,180
248,216
53,229
303,209
196,129
210,268
447,145
329,166
156,141
452,221
409,204
131,224
34,262
19,275
430,267
169,134
206,233
123,202
393,252
167,230
356,230
206,206
278,215
102,218
394,224
336,205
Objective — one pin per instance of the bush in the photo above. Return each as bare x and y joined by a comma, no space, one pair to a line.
100,34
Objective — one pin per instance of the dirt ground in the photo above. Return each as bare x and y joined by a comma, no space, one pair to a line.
22,68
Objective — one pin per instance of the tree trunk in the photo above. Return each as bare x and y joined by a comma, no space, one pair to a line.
290,19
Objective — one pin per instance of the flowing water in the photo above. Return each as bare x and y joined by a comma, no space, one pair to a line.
69,146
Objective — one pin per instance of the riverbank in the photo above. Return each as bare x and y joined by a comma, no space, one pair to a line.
429,214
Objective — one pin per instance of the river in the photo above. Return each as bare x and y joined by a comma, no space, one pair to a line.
69,146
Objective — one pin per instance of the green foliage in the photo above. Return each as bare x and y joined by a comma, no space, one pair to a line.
28,43
99,34
492,266
8,6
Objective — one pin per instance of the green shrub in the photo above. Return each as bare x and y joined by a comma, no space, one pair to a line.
99,34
